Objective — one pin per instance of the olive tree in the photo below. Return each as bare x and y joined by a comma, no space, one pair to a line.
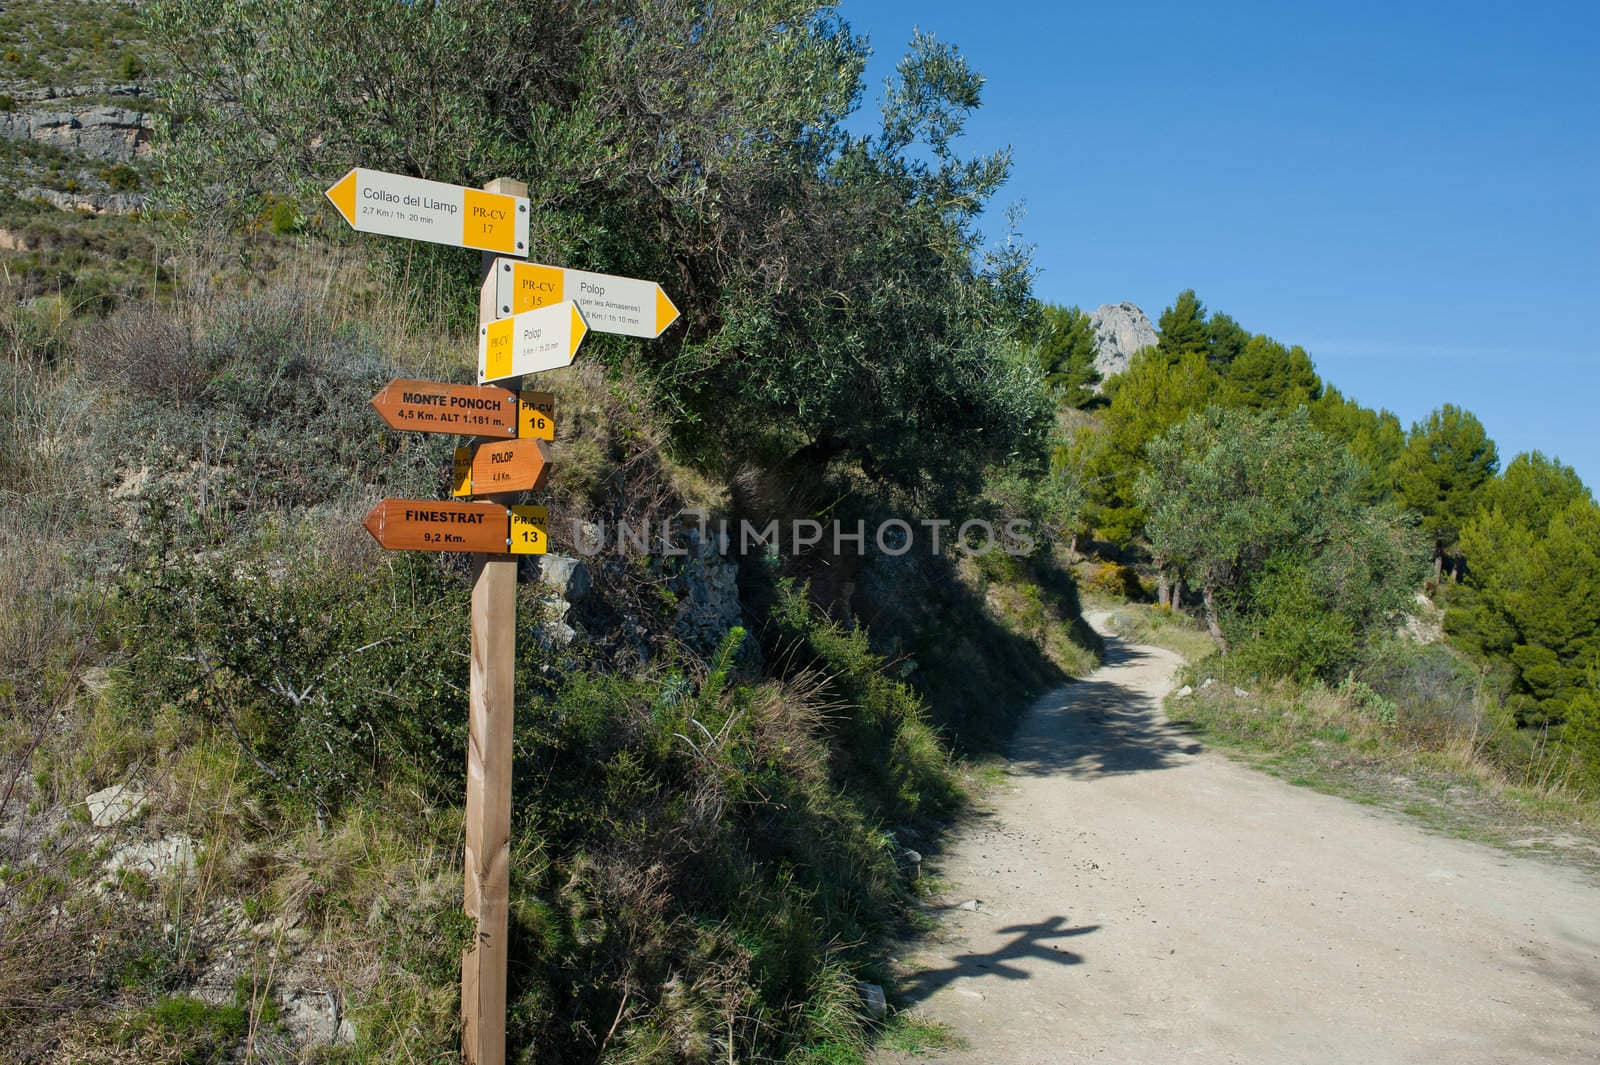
837,301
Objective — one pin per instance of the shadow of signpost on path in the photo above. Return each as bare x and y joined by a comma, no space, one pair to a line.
1031,942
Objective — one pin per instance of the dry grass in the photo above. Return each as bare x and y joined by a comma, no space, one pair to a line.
1447,770
1172,629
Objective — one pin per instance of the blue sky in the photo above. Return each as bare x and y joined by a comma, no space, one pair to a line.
1410,190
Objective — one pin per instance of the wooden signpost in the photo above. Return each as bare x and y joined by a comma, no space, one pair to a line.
425,525
509,457
433,407
500,466
627,306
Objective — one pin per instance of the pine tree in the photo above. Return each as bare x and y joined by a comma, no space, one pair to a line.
1066,351
1533,489
1228,339
1183,328
1533,606
1441,475
1152,395
1268,376
1374,437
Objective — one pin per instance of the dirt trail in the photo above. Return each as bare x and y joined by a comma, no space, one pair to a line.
1143,900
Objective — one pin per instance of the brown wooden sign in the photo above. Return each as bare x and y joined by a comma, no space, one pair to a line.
426,525
435,407
500,466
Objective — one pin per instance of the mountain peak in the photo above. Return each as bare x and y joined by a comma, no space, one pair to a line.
1120,329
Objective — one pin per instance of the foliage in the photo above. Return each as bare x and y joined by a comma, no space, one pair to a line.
1375,438
1442,472
1226,341
1047,504
121,177
204,1033
1182,328
328,686
884,739
836,305
1066,350
1410,730
1152,395
1265,374
1264,514
1531,600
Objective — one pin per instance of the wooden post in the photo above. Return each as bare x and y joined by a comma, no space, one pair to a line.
489,745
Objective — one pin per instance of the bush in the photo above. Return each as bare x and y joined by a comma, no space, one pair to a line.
1436,694
121,177
1113,579
285,218
329,682
1289,633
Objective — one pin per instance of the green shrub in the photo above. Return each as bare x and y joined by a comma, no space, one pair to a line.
121,176
1288,633
1435,693
285,218
204,1034
330,682
131,68
881,739
1113,579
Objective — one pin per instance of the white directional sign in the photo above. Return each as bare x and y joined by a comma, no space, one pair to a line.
543,339
624,305
417,209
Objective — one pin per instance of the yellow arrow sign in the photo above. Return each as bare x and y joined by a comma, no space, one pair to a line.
627,306
395,205
531,342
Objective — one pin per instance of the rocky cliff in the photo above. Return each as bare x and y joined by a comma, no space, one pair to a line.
1120,329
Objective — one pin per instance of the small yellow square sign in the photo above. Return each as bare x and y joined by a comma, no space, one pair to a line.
461,473
490,222
497,350
530,534
533,285
535,415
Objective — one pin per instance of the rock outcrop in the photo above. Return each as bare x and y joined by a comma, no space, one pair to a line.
107,134
1120,329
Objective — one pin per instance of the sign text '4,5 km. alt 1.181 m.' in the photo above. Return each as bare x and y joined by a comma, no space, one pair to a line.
436,407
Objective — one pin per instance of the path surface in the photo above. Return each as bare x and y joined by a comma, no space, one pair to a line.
1143,900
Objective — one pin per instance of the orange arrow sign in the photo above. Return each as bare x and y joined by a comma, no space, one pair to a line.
508,466
426,525
435,407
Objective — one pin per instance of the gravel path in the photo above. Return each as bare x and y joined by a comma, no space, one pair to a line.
1143,900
